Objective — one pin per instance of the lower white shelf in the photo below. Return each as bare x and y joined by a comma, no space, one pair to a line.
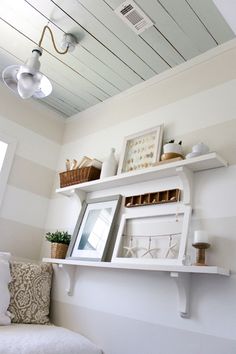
150,267
181,274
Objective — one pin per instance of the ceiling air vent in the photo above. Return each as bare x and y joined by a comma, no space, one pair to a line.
133,16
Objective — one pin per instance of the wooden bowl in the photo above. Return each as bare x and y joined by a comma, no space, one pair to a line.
170,155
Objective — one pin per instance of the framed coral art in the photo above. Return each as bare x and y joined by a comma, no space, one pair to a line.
153,239
141,150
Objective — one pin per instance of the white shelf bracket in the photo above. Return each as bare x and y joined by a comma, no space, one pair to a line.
69,193
81,195
186,177
182,281
69,270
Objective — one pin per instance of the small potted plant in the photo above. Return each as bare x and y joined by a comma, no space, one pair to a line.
59,243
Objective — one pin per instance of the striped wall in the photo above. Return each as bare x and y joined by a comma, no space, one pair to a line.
123,334
132,312
38,133
183,81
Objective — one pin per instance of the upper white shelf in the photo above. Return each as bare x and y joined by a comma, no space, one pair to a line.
140,266
200,163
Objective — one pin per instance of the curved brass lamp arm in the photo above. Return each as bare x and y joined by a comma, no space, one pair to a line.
53,41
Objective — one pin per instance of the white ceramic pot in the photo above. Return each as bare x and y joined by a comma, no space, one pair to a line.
172,148
200,148
192,154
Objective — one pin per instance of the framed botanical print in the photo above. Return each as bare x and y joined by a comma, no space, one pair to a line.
93,231
141,150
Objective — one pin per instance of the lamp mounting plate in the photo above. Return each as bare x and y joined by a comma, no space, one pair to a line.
68,41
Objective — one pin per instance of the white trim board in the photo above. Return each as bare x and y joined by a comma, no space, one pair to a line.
7,163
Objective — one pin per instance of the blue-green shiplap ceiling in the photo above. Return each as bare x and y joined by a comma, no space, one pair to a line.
110,57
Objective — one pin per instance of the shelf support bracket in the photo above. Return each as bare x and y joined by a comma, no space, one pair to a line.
68,194
79,194
182,281
69,271
186,177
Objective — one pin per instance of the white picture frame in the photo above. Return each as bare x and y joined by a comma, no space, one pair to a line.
141,150
93,231
130,248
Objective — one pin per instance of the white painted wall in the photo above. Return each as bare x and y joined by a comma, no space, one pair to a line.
132,312
23,211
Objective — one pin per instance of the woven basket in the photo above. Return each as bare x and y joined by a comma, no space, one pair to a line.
79,175
58,250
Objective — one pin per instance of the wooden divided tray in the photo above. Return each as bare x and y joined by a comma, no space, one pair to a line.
168,196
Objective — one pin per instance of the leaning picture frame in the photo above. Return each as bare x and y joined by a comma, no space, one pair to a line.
93,231
141,150
151,238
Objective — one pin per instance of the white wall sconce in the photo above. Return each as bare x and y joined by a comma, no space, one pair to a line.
26,80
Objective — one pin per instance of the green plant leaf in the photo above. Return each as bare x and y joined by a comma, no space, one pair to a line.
58,237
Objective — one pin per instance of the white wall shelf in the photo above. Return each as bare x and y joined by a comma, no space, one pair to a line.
180,274
200,163
135,266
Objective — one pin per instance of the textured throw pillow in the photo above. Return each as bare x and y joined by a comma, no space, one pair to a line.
4,292
30,292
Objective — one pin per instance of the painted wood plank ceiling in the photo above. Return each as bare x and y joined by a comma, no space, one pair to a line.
109,57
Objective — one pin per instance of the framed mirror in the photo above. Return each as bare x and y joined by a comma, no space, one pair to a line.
93,230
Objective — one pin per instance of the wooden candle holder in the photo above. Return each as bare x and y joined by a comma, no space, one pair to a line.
201,253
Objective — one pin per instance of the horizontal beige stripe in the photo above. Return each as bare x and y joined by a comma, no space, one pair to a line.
31,177
128,335
220,138
20,240
24,207
31,115
173,85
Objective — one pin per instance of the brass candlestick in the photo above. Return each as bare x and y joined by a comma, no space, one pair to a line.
201,251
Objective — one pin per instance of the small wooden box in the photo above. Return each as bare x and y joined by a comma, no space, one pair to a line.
79,175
